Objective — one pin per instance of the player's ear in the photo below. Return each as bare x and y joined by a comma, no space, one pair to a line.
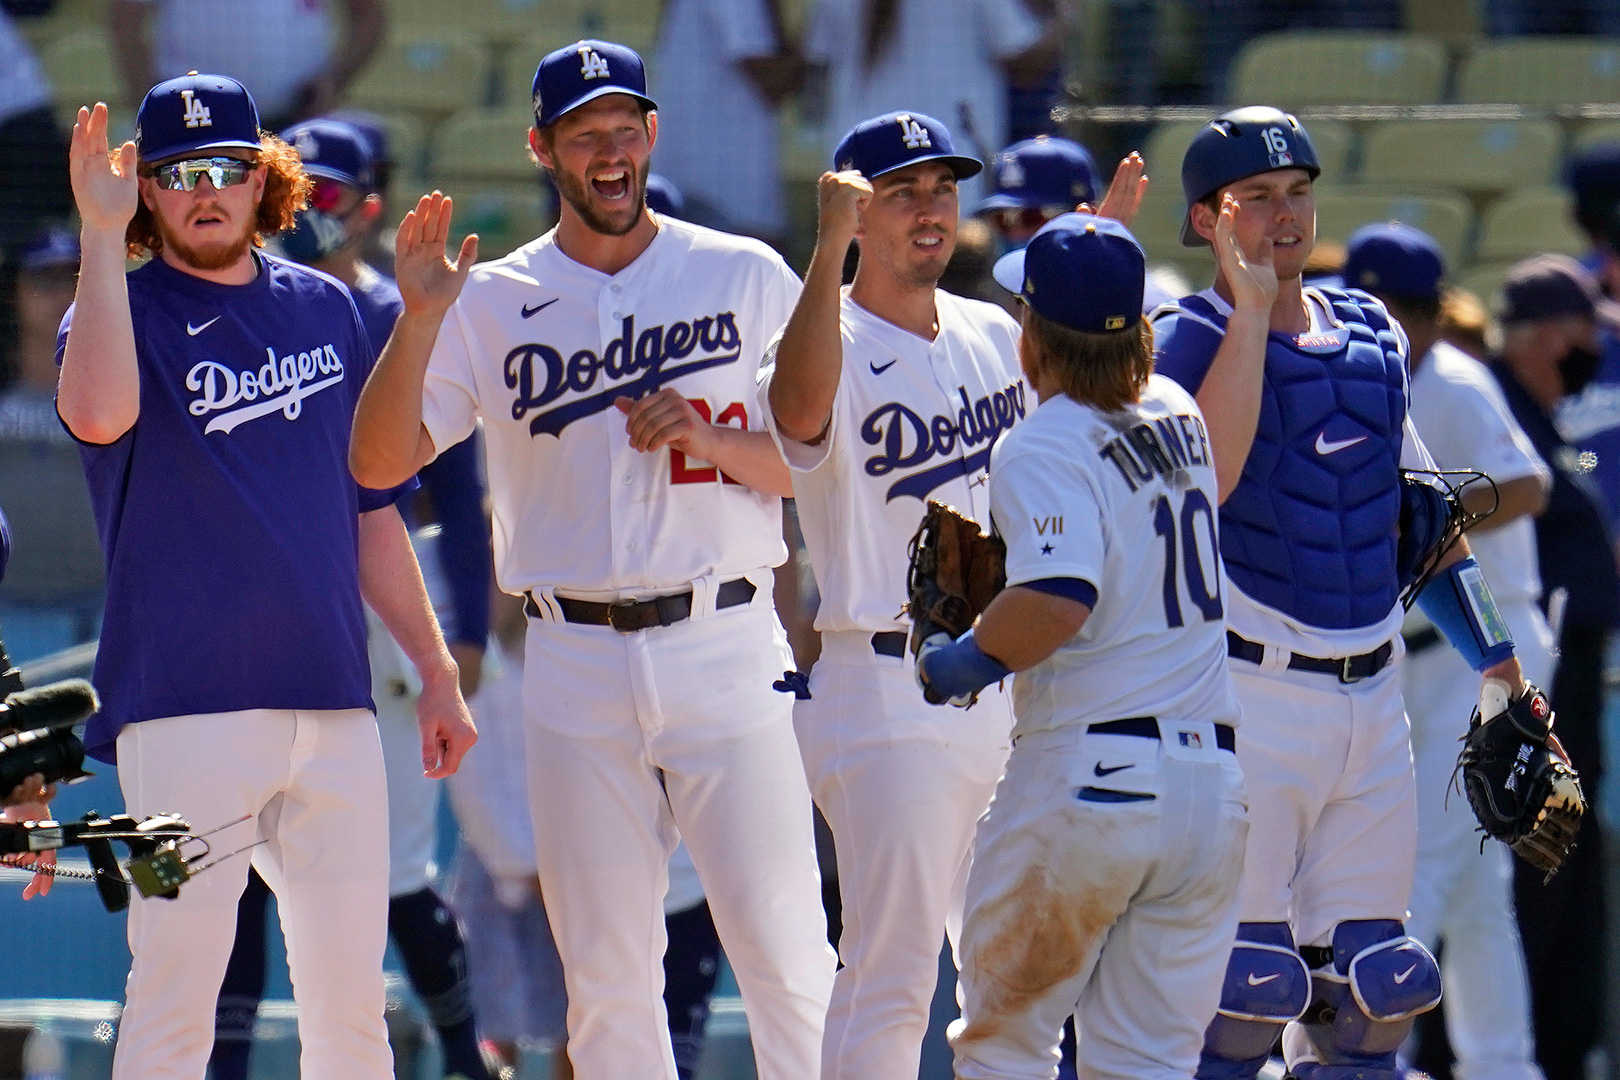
1203,220
537,147
370,208
148,189
652,128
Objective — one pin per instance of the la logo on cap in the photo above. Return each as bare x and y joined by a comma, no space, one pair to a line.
591,63
1114,322
196,113
1012,174
914,134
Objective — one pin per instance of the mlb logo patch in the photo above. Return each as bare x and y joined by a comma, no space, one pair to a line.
1190,739
1282,160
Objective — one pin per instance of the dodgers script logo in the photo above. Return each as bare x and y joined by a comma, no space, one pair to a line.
280,384
540,375
908,440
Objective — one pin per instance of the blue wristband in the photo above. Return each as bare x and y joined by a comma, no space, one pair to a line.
961,668
1460,604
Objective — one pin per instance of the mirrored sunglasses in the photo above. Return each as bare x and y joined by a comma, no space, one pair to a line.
222,172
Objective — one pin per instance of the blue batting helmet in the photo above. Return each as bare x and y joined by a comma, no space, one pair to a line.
1242,143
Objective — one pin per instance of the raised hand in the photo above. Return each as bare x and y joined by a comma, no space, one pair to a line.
429,282
104,183
1252,276
1124,196
841,196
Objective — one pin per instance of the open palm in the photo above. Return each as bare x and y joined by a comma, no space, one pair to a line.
104,184
429,282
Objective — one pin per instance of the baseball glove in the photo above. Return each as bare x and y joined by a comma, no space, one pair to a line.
1518,779
956,570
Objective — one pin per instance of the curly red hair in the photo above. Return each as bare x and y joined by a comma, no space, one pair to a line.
286,192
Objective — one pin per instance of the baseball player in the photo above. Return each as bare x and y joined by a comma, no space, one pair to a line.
1105,872
1035,180
1461,892
327,235
637,506
884,396
1304,394
212,389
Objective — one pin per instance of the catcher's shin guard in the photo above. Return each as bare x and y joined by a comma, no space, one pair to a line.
1267,985
1364,1003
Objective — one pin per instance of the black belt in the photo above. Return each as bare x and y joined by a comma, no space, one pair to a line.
1422,641
1147,727
1348,669
890,643
628,616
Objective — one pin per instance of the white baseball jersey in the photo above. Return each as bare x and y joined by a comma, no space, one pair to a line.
1124,502
1458,408
913,420
539,346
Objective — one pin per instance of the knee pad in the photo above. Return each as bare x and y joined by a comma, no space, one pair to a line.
1366,999
1267,985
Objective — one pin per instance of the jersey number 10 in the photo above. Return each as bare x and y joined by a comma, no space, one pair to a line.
1165,521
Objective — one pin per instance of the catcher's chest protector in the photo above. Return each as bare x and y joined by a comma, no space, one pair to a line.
1310,529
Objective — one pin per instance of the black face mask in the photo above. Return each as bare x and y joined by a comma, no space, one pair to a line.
1577,368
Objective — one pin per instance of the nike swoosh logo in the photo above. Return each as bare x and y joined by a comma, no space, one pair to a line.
880,370
1402,977
195,330
529,312
1325,448
1263,980
1098,769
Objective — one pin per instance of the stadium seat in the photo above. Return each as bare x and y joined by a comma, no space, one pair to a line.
1528,222
1542,71
483,145
1471,155
1444,215
1599,131
1158,223
407,141
1335,67
504,216
1167,144
1484,280
429,72
82,71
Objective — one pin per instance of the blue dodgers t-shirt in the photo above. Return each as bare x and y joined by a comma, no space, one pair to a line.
228,516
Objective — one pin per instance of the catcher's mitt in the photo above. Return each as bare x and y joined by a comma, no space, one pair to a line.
956,570
1518,779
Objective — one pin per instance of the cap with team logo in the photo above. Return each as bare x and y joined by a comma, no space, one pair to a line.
1392,259
1043,171
585,71
195,112
1081,271
663,197
898,139
333,149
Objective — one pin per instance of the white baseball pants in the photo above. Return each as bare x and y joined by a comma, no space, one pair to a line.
1462,893
314,783
1332,802
1126,910
901,784
629,738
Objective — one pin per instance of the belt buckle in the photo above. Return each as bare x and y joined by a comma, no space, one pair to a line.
1345,674
625,606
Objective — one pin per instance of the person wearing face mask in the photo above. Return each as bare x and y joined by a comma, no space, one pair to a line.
1549,320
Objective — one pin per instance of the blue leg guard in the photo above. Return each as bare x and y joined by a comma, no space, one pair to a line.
1365,1002
1267,985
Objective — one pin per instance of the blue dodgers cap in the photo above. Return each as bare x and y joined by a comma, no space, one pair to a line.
663,197
51,246
1085,272
898,139
585,71
1236,145
1043,171
1392,259
192,113
334,149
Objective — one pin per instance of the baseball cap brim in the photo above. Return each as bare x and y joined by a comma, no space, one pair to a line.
1004,201
1009,272
962,167
189,149
601,91
339,175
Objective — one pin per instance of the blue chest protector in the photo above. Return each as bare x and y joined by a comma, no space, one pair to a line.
1310,529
